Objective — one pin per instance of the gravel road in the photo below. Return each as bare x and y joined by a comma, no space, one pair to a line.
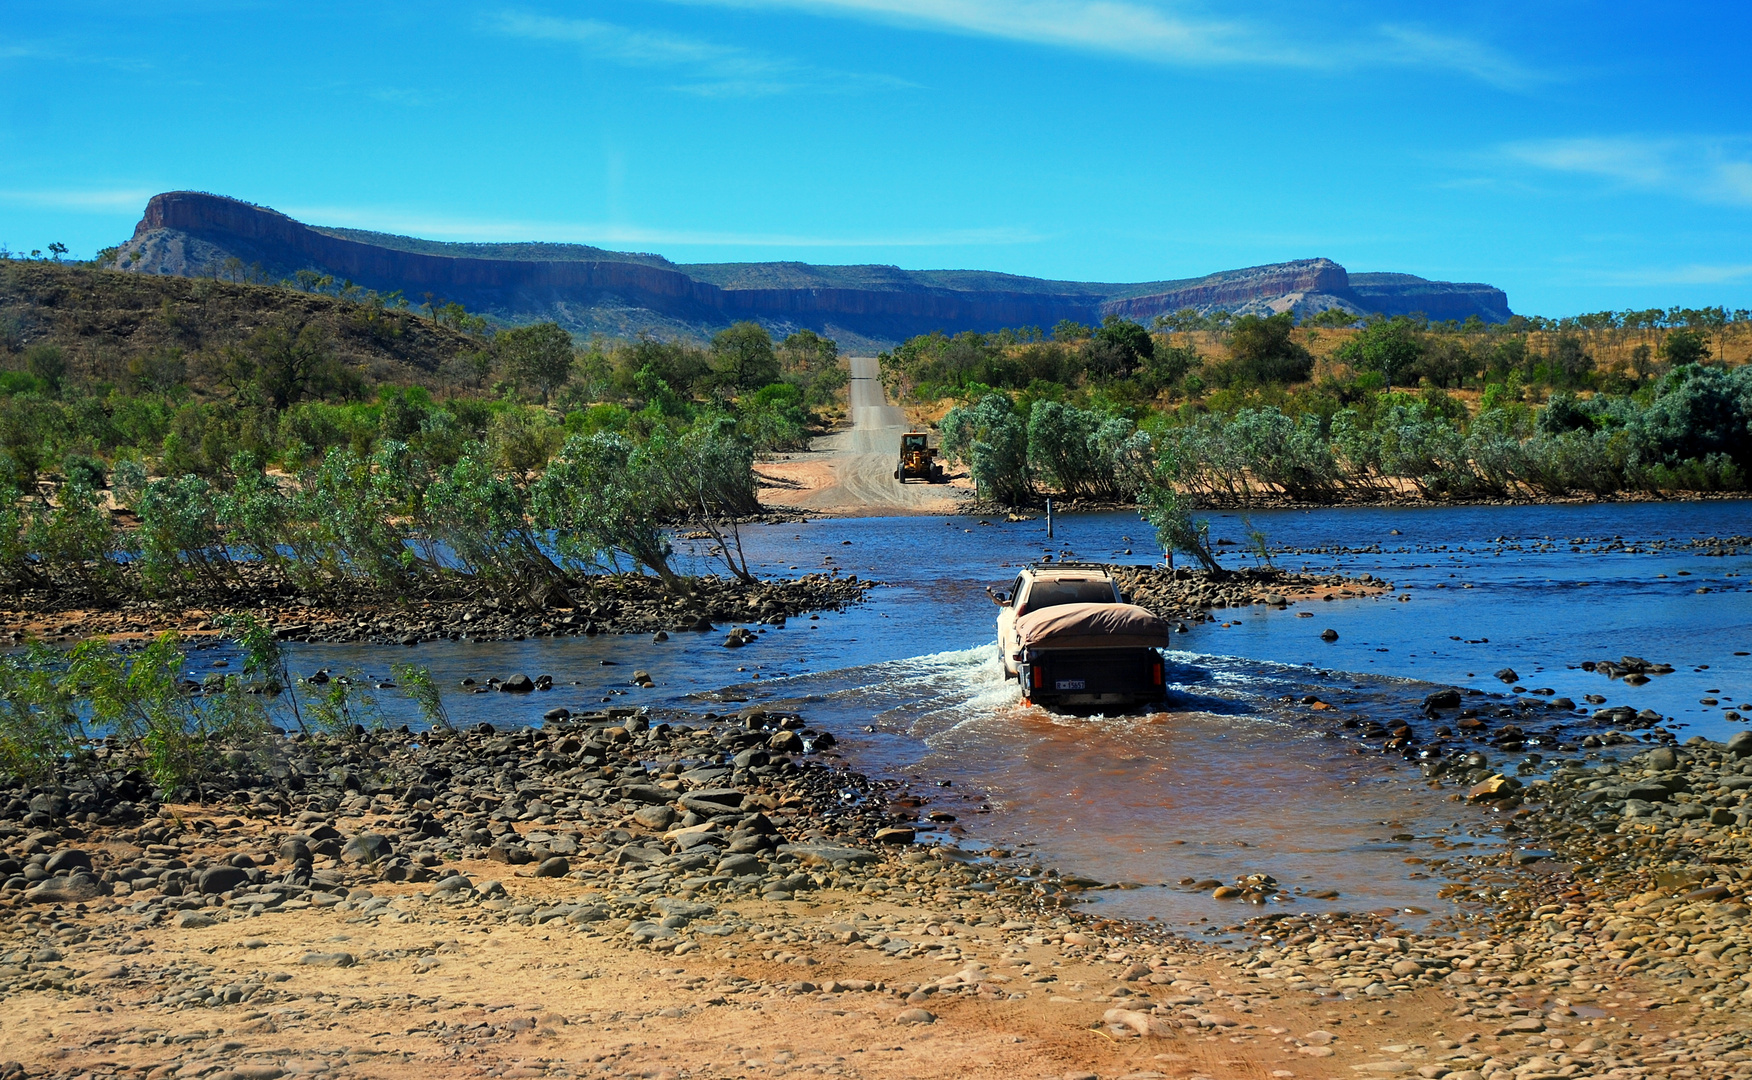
859,463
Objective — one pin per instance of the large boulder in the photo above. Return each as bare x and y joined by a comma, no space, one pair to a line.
68,859
75,888
655,817
1443,699
367,847
221,879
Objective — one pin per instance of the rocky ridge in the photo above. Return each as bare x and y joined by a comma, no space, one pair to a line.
1194,595
609,604
592,290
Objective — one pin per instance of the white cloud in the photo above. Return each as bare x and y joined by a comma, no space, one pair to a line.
1162,33
1709,169
710,69
96,202
1693,274
1133,29
609,235
1115,26
1417,46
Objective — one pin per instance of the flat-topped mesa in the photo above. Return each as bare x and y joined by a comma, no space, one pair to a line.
1238,288
589,289
1437,299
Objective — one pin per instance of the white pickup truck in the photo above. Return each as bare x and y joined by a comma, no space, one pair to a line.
1068,637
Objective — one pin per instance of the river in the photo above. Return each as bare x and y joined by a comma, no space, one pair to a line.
1231,780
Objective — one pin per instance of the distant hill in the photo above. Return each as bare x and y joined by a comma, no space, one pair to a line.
112,326
593,290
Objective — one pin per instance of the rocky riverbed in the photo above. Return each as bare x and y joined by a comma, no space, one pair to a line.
1198,595
639,894
609,604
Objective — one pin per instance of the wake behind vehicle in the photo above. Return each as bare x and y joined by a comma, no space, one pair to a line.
918,459
1067,636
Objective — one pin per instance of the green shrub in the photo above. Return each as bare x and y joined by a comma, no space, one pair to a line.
183,732
993,440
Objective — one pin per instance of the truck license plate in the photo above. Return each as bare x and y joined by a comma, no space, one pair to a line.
1068,684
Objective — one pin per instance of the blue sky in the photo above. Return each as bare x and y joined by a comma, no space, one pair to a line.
1579,155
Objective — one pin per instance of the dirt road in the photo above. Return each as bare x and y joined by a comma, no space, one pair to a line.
852,472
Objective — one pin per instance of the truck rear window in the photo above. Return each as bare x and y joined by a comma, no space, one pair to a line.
1047,594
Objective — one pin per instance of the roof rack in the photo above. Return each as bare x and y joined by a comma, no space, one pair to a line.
1070,565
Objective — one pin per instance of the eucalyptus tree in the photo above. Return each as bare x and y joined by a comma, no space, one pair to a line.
599,499
540,354
742,357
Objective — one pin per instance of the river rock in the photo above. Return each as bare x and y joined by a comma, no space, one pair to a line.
740,865
1494,789
709,801
1329,634
1140,1022
517,684
1663,759
73,889
295,848
915,1016
220,879
657,818
553,867
1507,675
827,854
1740,745
693,835
1443,699
328,959
67,859
367,847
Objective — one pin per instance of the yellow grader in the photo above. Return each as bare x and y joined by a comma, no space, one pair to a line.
918,460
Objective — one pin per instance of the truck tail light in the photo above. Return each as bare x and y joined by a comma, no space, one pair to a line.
1039,680
1156,673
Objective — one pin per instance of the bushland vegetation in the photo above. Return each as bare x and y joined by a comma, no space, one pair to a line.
166,436
1236,410
75,716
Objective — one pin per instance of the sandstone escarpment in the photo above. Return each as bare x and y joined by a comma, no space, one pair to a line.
592,290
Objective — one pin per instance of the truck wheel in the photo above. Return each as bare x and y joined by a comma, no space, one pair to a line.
897,474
